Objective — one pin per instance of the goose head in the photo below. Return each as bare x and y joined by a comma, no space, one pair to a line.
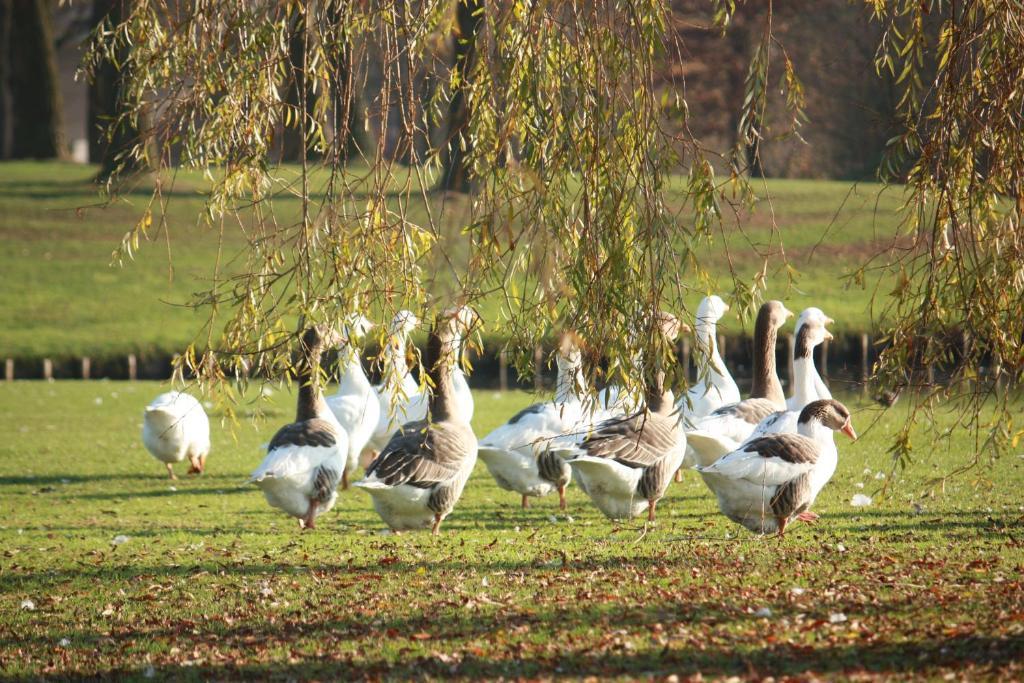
569,356
711,309
813,315
318,337
669,326
355,329
773,314
403,323
829,413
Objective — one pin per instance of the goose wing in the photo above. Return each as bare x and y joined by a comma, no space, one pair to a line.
421,455
638,441
769,460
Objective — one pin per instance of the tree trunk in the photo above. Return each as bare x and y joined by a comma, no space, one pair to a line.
456,150
32,106
110,137
350,136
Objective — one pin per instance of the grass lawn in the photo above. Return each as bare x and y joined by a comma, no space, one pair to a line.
63,299
212,583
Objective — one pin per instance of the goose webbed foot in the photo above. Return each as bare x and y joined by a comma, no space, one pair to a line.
170,472
782,521
561,498
651,507
437,525
679,476
526,502
309,521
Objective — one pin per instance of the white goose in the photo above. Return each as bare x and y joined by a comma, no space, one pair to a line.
399,395
773,479
735,422
517,453
715,386
306,459
355,405
807,387
417,479
627,463
175,427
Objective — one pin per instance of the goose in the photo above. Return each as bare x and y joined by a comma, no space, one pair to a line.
175,427
419,476
626,464
399,394
307,458
355,405
736,421
518,455
715,387
807,387
773,479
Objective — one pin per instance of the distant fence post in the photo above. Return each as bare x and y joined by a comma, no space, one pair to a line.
47,369
86,367
864,371
538,356
684,350
9,369
503,369
133,367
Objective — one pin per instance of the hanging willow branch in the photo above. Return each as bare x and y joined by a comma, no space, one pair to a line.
959,261
564,142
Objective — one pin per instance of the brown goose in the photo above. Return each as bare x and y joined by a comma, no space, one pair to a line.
772,479
419,476
737,421
306,459
626,464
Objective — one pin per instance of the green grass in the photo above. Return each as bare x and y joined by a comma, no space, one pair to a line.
212,583
63,299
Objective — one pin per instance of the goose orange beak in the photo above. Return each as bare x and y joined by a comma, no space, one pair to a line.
828,335
848,430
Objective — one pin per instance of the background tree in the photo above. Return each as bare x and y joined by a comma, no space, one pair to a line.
30,98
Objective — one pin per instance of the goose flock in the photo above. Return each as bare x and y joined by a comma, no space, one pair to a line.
765,458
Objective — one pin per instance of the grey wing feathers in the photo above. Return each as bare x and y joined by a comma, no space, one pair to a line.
794,448
752,410
314,432
637,441
420,457
552,467
792,497
325,481
528,410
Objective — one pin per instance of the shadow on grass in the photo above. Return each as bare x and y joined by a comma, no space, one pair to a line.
66,479
524,642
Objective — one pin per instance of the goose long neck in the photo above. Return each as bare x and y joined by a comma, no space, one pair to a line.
311,402
707,343
352,367
814,429
570,383
766,380
442,354
659,399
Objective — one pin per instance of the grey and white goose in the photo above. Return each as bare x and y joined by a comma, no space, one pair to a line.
626,464
773,479
737,421
807,387
419,476
518,453
306,459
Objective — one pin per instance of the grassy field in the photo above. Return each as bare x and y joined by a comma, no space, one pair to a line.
63,299
109,569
